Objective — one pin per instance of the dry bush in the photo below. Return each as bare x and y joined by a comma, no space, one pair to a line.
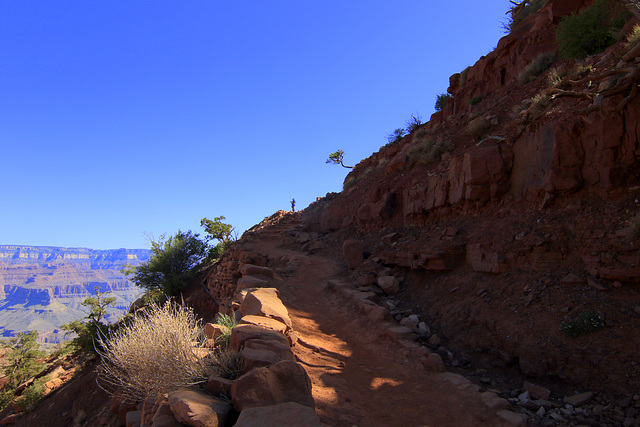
633,37
539,103
478,127
538,66
429,151
226,363
154,354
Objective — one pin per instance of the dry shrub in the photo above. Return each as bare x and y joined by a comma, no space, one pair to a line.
154,354
429,151
538,66
633,37
478,127
539,103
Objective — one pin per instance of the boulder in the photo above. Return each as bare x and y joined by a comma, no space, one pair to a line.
433,363
265,302
251,282
133,418
353,253
264,322
579,399
283,382
242,333
257,353
278,347
389,284
536,391
219,386
197,409
256,271
366,280
513,418
286,414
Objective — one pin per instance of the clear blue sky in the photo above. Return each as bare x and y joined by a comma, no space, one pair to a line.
120,117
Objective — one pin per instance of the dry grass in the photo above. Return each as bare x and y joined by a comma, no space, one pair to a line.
154,354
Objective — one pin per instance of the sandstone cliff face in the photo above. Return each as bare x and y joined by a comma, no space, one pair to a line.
42,287
514,231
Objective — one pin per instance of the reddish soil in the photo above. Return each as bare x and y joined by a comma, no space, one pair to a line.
358,377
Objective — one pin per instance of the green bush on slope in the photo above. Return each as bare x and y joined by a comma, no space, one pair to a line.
592,31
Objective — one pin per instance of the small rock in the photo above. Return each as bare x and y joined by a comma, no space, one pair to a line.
513,418
624,402
541,412
423,330
536,391
579,399
433,362
594,284
434,340
524,396
556,417
414,319
389,284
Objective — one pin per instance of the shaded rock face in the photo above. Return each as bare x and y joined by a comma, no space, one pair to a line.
43,287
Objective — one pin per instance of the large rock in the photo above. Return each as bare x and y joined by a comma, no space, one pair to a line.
353,253
257,353
389,284
289,414
264,322
256,271
197,409
242,333
283,382
251,282
265,302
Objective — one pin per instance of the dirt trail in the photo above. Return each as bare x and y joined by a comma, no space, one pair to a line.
359,378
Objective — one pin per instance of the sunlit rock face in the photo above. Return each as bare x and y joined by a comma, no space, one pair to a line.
42,287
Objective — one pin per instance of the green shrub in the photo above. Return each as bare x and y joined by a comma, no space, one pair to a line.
429,151
538,66
396,135
21,361
591,31
584,323
441,100
228,321
476,100
516,18
88,331
33,394
173,264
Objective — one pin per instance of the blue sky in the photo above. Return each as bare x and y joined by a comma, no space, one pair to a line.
120,118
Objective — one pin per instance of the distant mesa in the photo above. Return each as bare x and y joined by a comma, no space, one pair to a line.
42,287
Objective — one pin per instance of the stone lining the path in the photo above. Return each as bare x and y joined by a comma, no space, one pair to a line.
273,390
